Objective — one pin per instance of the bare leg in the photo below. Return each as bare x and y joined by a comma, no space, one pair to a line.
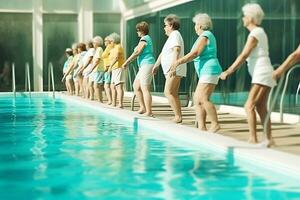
120,93
76,88
108,93
147,99
91,89
256,93
98,91
206,90
261,109
139,95
200,112
171,92
113,94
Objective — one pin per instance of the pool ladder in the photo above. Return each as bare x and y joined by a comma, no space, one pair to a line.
13,79
27,79
51,78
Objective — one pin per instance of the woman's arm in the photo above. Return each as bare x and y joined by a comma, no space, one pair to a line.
191,55
138,50
156,65
290,61
249,46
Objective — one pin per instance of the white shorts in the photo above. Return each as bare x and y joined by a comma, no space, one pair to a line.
145,74
212,79
118,76
263,78
69,77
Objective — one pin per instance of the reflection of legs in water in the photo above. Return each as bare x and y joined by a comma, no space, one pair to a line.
171,92
257,99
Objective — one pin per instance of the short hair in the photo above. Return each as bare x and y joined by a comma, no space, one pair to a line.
254,11
204,20
90,44
173,21
143,27
81,46
97,39
69,51
115,38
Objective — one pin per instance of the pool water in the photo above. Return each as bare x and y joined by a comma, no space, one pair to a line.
54,149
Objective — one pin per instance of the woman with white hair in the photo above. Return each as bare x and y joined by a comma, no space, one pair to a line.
172,50
208,69
256,53
117,59
97,70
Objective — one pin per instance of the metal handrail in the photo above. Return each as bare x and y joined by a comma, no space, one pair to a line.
272,90
27,79
271,106
51,76
13,80
298,89
284,90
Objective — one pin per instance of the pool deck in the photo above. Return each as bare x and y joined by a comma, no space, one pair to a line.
287,136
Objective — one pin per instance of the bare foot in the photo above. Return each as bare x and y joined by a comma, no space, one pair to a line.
268,143
252,140
177,120
120,106
141,111
108,103
202,128
149,114
114,105
214,129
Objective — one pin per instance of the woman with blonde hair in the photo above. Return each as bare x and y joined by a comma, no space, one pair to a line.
107,74
256,53
118,75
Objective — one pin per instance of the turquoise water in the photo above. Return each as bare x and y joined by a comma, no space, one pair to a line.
51,149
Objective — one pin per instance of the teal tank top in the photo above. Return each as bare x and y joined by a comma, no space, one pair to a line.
146,56
207,62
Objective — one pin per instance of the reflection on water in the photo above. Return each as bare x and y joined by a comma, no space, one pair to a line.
49,149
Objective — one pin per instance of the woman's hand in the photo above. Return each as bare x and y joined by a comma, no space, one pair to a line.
125,65
154,70
224,75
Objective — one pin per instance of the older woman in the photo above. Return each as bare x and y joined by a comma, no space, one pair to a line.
207,67
68,77
107,74
97,70
256,52
118,74
145,60
290,61
172,50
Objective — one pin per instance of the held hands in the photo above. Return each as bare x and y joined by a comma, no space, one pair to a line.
224,75
154,70
172,70
275,75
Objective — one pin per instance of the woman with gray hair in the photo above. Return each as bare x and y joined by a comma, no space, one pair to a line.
208,69
97,70
172,50
117,59
256,53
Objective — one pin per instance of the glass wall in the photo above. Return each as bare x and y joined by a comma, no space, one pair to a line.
106,23
59,33
15,47
281,23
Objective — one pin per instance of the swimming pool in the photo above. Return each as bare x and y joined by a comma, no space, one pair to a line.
58,149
